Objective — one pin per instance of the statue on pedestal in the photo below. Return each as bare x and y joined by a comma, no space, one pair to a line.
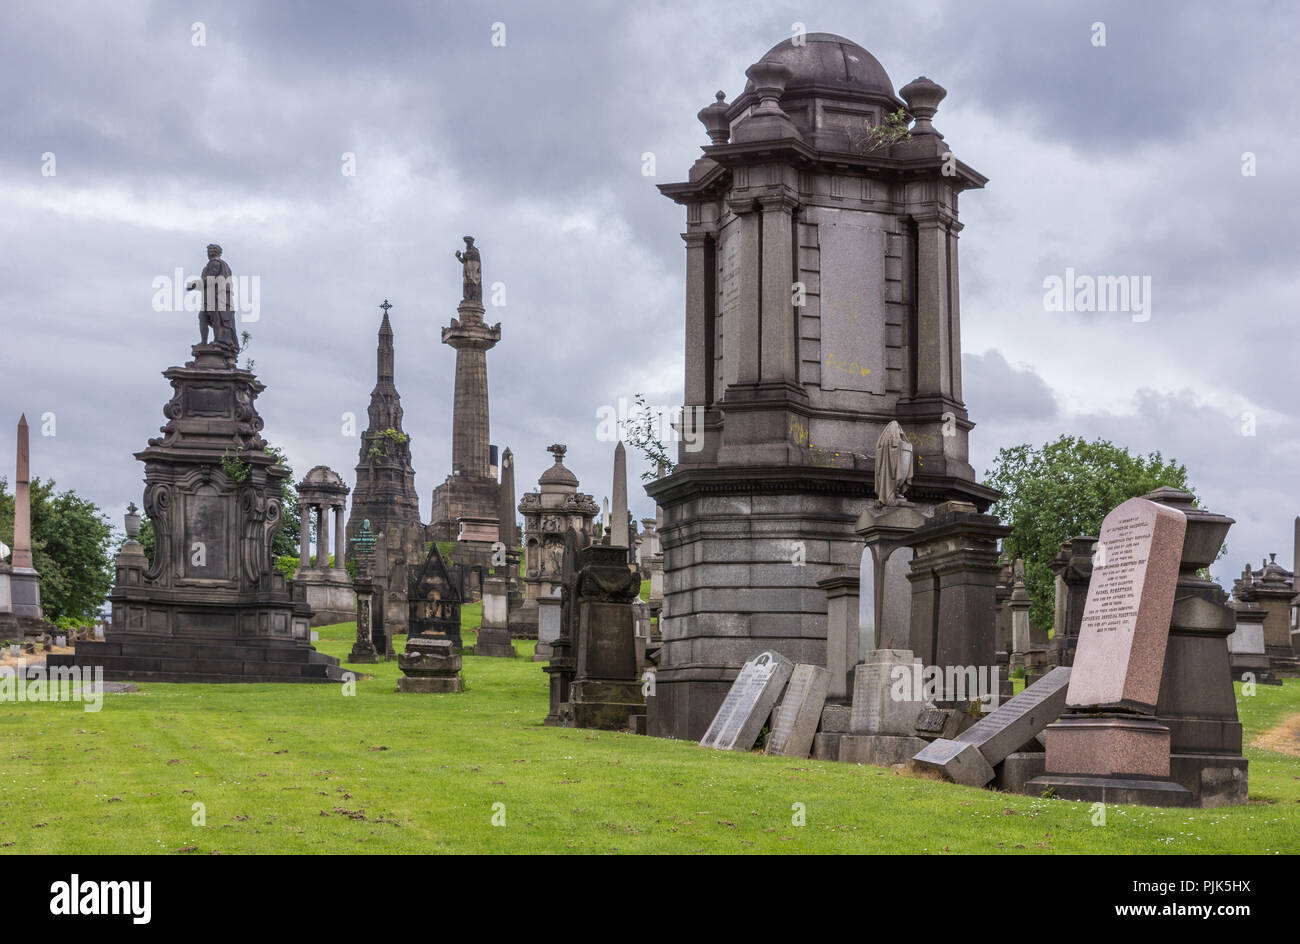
893,465
473,272
218,312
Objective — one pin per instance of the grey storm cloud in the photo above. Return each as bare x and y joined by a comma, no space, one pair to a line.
1122,159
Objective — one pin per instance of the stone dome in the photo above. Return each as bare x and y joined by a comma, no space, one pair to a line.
558,474
828,60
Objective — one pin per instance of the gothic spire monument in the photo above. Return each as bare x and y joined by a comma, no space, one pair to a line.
471,491
385,489
821,305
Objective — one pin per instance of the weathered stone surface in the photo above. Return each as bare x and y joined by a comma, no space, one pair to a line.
800,712
880,750
999,733
1125,628
1018,768
749,702
875,709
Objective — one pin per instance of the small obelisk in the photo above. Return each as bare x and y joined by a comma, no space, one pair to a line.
509,533
618,535
25,582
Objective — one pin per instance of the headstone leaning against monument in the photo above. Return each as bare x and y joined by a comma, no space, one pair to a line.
1110,744
801,710
749,703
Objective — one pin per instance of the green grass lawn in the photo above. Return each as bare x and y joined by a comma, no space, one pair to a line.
305,768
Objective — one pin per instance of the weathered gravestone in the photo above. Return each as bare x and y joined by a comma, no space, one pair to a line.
970,757
606,687
801,710
749,702
431,663
548,625
882,726
1110,743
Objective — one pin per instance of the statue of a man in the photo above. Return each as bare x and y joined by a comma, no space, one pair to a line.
218,311
473,272
893,465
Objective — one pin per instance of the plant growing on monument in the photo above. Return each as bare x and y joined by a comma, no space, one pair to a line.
72,545
892,129
236,468
385,443
1064,489
244,340
642,432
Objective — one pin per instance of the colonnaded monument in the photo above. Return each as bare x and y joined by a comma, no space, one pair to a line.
822,305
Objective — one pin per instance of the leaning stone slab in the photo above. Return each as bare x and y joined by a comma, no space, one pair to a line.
1125,628
970,757
800,711
749,702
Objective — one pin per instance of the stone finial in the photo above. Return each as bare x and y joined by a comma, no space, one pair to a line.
714,119
132,521
923,98
768,121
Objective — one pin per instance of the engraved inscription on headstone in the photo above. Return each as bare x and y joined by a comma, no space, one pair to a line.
800,712
1130,601
748,703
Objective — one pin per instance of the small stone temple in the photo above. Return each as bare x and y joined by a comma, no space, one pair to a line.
465,506
822,303
322,496
211,605
385,491
556,508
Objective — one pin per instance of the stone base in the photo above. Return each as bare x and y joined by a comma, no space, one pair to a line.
495,641
604,705
430,684
132,658
1257,667
1213,779
365,653
1140,791
1018,769
543,652
1282,660
880,750
826,745
329,594
1108,746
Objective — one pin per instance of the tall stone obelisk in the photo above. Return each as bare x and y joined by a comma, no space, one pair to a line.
471,491
618,530
25,581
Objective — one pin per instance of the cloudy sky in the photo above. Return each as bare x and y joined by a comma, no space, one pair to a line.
173,125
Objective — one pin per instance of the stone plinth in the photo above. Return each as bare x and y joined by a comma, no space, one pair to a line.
843,642
494,633
954,576
430,665
1073,569
606,687
548,626
1247,656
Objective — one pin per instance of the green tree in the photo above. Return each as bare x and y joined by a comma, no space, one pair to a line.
72,546
1064,489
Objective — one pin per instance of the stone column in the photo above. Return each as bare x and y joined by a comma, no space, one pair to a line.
954,575
323,538
740,352
1020,642
843,644
697,322
339,542
779,358
304,535
934,345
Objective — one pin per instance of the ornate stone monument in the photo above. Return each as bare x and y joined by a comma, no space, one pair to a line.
549,513
471,490
210,606
385,491
1073,569
322,494
432,662
821,304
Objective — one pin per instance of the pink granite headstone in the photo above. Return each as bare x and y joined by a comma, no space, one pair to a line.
1121,650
